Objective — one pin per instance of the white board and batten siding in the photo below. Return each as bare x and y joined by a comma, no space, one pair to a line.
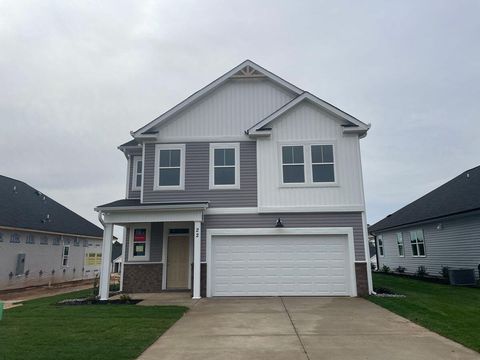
308,124
227,111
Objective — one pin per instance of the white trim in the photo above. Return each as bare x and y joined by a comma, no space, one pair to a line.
146,257
197,258
416,243
209,139
232,210
155,207
127,180
63,255
366,247
136,160
196,96
318,208
105,266
156,175
140,217
403,243
307,164
284,231
315,100
380,238
143,172
236,148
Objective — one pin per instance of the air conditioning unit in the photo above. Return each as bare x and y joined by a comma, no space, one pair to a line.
462,276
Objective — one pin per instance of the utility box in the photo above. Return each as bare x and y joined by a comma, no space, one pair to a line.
20,268
461,276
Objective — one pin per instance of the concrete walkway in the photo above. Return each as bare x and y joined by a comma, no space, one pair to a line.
299,328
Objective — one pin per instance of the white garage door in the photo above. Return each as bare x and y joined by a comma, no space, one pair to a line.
280,265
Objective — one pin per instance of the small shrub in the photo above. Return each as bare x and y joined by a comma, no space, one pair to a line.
382,290
422,271
385,269
115,287
373,266
95,286
444,272
400,269
125,298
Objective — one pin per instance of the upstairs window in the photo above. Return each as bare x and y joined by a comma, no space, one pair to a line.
323,169
400,247
170,165
30,239
380,245
418,243
224,166
137,173
293,164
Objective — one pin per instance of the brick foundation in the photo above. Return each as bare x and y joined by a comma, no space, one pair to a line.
362,279
142,278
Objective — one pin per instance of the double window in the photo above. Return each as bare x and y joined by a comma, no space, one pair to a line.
224,166
137,173
170,167
139,242
380,245
312,164
400,247
418,243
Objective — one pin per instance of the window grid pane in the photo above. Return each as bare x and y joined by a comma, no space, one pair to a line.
169,170
323,169
224,166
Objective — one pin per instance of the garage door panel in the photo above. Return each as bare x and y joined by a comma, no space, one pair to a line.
279,265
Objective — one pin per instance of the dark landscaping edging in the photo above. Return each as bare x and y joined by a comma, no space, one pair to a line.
427,278
76,302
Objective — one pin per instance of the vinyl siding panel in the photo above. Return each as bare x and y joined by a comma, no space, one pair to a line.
353,220
307,124
197,178
228,110
456,245
132,194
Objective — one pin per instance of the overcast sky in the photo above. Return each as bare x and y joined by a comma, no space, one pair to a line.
77,76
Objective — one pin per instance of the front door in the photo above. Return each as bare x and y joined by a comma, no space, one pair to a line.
177,262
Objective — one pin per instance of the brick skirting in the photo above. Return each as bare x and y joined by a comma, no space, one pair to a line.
362,279
142,278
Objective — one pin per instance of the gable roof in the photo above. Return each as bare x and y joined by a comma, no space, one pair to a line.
22,206
246,69
459,195
356,125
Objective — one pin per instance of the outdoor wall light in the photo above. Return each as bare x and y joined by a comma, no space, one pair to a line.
440,226
279,223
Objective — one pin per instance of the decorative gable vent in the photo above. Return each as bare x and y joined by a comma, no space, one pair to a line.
248,72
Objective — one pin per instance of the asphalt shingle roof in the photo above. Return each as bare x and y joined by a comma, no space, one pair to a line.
22,206
459,195
136,202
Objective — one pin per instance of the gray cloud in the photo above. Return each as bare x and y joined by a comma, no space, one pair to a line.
78,76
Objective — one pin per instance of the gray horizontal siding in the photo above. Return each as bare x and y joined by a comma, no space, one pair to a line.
353,220
197,178
133,194
456,244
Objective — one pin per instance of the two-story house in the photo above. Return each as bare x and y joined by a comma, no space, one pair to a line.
249,187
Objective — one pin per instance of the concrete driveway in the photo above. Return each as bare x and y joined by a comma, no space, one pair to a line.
299,328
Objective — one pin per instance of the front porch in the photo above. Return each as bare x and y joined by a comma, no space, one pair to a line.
161,247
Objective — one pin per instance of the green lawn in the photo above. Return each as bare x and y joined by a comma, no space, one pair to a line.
41,330
453,312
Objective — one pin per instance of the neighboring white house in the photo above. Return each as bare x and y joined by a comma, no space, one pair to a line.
440,229
251,186
42,241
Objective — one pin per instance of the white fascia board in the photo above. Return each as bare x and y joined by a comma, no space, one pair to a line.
152,208
360,126
312,209
197,95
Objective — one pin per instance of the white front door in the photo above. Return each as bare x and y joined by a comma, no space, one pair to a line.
273,265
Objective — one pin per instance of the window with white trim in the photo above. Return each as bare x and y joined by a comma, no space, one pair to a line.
65,254
400,247
380,245
293,164
137,173
170,167
139,243
225,166
418,243
323,166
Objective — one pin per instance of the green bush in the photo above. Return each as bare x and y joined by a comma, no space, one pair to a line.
422,271
385,269
444,272
400,269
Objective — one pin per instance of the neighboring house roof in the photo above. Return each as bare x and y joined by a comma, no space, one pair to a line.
249,69
129,144
116,250
22,206
459,195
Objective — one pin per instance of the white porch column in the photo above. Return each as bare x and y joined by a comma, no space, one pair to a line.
106,258
196,259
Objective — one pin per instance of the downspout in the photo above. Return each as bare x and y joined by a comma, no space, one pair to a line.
376,252
100,218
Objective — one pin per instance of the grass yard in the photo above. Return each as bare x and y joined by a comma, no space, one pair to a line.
41,330
453,312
